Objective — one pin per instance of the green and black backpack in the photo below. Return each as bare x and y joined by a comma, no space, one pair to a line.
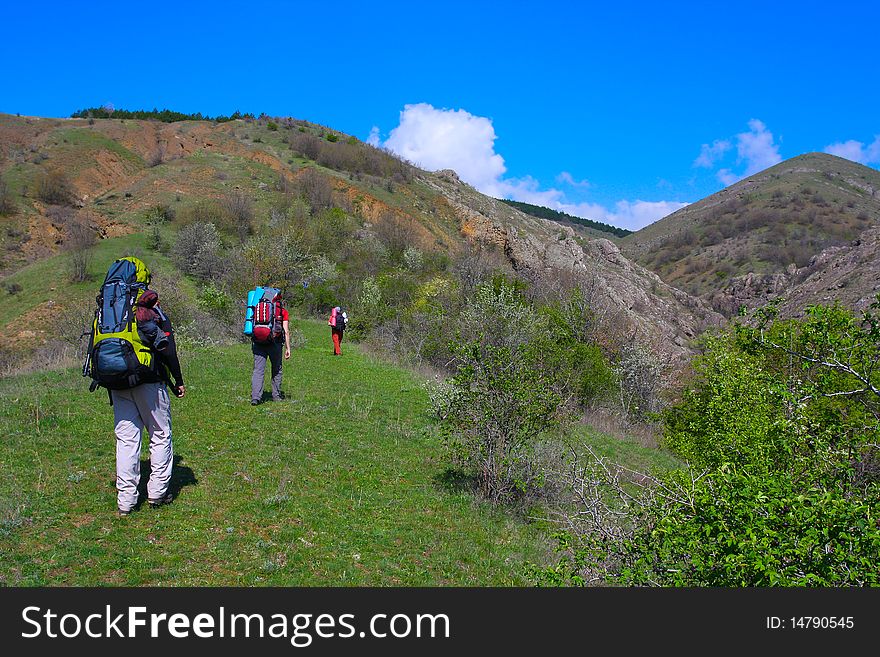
117,357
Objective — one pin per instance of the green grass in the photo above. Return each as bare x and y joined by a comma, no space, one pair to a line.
75,140
625,452
46,280
336,485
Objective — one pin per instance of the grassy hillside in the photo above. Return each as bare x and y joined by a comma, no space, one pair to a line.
764,224
344,482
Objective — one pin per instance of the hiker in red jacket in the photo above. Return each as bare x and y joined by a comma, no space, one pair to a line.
338,320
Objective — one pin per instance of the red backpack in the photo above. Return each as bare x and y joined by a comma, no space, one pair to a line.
268,324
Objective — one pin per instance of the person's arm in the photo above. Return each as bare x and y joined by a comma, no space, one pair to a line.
286,325
169,356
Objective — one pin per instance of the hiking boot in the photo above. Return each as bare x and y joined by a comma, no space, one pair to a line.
280,397
122,513
255,402
162,501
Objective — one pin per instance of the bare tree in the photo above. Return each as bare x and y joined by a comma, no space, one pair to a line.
241,209
54,187
316,189
158,154
395,232
7,206
79,242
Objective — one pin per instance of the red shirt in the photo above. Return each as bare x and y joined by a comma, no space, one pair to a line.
285,316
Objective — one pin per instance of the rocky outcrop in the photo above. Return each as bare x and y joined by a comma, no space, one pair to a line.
847,274
552,254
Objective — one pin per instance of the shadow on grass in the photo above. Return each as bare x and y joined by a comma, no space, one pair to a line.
455,481
181,476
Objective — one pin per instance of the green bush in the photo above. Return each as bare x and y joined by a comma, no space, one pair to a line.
505,394
217,303
501,402
733,412
735,528
780,426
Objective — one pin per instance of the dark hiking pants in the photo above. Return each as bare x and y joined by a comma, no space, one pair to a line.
274,353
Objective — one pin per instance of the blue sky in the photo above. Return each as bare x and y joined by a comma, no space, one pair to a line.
619,111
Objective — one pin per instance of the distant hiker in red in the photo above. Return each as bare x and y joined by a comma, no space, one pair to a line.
338,320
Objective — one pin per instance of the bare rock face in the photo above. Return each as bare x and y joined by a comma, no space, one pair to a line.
848,274
547,253
449,175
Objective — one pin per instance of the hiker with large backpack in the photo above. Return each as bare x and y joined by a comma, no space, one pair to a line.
337,321
132,353
267,324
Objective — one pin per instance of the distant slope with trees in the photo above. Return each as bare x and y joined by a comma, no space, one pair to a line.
555,215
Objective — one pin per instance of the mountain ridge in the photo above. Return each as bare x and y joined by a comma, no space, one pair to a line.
764,228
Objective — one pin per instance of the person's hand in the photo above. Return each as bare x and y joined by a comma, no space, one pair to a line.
287,353
180,391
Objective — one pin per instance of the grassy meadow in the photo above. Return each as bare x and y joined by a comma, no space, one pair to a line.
342,483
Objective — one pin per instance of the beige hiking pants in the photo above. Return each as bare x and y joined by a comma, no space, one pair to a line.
144,406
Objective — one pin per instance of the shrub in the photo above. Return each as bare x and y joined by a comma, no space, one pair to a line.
7,204
217,303
306,144
396,232
331,229
316,189
369,309
413,259
198,251
781,428
500,403
203,212
504,395
639,373
53,187
240,208
78,242
279,260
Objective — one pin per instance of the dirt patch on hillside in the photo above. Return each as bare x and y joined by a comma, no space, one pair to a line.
108,172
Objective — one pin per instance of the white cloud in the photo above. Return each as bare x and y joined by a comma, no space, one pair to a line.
728,177
436,139
856,151
626,214
448,139
711,154
565,178
756,149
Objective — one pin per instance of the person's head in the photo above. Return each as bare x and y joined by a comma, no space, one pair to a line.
337,309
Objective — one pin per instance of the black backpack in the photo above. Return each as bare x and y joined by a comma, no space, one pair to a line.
340,321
